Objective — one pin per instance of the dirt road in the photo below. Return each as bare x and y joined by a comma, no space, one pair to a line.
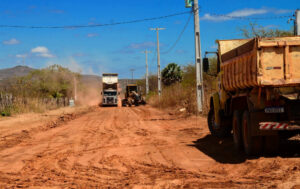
137,147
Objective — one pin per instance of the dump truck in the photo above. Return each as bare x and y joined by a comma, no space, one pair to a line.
109,89
133,96
257,96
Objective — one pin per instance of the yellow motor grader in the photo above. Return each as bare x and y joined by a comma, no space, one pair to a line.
133,96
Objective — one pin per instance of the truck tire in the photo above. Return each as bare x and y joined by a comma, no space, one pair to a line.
123,103
237,129
219,131
252,144
271,144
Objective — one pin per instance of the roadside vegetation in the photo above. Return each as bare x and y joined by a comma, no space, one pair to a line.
178,87
38,91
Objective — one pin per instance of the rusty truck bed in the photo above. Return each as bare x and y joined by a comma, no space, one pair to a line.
260,62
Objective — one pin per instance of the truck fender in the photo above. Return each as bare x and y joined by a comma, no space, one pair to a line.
216,105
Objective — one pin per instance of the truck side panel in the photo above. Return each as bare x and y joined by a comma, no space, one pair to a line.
240,72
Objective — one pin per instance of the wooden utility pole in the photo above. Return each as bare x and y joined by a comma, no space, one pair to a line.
198,59
158,60
147,72
132,70
297,22
75,88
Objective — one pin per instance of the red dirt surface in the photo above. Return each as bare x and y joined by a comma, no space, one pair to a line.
138,147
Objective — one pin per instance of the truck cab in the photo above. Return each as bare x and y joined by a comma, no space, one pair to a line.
110,97
110,94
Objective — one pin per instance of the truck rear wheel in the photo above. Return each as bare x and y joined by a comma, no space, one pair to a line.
221,130
237,129
271,144
252,144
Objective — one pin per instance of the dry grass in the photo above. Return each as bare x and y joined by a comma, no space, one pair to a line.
181,95
30,105
175,96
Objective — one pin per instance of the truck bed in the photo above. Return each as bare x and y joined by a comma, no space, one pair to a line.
260,62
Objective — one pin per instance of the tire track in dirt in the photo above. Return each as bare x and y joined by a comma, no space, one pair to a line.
131,147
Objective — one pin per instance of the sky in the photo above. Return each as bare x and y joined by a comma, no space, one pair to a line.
119,48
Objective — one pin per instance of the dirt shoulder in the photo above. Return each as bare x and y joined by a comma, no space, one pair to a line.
16,128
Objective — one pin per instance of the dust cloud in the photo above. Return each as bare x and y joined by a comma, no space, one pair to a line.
90,96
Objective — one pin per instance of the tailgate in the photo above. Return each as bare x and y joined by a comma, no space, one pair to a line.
279,61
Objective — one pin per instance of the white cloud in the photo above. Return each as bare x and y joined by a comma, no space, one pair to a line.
40,49
133,47
42,52
142,45
46,55
281,11
21,55
12,41
247,12
243,13
92,35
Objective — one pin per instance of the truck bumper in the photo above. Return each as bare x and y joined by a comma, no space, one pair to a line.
278,126
109,104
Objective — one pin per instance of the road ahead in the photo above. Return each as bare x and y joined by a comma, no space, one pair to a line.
138,147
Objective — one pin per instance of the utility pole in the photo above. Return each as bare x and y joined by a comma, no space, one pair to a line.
75,88
198,60
147,73
132,70
158,60
297,22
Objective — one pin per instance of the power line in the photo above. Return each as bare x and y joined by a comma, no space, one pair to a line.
94,25
179,37
139,20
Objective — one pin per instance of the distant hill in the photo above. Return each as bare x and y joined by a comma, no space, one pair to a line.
91,80
17,71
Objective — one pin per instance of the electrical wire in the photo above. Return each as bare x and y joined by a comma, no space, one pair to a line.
139,20
179,37
94,25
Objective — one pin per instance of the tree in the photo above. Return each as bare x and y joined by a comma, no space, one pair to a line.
171,74
54,81
255,30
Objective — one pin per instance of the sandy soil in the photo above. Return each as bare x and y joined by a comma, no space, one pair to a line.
138,147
